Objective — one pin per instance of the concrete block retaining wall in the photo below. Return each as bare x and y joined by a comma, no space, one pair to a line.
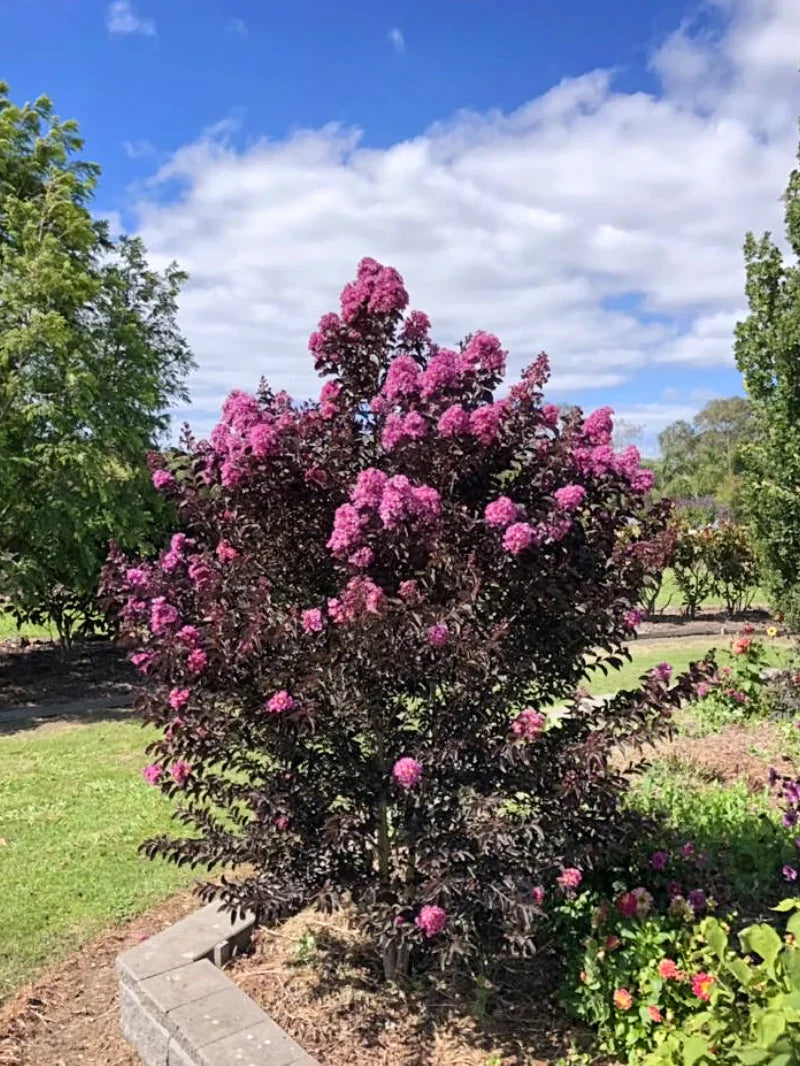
179,1009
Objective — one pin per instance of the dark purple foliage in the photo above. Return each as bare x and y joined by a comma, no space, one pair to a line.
370,592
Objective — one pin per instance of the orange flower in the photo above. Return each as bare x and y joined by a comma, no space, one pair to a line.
741,645
623,1000
655,1014
701,985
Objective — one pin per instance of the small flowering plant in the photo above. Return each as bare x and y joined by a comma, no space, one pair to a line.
736,1008
737,690
362,589
633,973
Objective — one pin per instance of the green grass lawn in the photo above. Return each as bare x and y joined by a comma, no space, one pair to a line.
678,653
9,629
73,809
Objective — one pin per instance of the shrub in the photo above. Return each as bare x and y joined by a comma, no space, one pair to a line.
732,562
738,843
737,692
743,1007
691,565
363,589
656,977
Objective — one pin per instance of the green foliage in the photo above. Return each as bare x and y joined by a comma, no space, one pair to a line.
90,358
714,561
691,566
701,460
752,1016
768,355
737,693
738,828
732,560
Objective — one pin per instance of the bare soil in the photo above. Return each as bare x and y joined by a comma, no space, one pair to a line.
316,976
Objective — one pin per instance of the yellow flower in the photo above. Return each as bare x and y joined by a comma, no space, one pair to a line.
772,631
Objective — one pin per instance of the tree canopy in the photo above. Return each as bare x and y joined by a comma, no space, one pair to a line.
768,355
701,459
90,360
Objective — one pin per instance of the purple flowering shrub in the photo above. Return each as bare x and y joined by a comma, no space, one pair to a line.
350,646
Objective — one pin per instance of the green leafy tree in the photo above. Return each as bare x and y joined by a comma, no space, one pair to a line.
90,359
701,460
768,355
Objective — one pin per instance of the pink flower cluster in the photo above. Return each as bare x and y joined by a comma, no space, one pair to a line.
178,698
528,724
519,536
377,290
162,615
407,772
398,428
598,426
313,620
392,501
634,618
570,497
162,479
500,512
438,635
280,702
454,422
180,771
570,879
431,920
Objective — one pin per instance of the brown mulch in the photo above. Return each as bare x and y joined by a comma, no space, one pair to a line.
316,977
69,1016
37,673
709,622
737,753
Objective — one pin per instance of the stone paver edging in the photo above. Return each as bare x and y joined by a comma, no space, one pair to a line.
179,1009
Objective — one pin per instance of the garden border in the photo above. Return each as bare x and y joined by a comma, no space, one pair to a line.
178,1009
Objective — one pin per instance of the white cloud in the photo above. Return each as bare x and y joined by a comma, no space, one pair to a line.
398,40
238,27
604,226
137,149
122,19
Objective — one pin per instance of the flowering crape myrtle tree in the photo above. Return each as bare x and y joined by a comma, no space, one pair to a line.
350,645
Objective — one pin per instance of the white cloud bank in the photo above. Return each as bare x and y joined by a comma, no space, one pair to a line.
538,225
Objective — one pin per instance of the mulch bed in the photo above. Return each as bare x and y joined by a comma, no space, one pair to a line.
737,753
37,673
329,994
69,1016
709,622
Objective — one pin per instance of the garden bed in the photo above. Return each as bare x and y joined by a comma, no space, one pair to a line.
317,979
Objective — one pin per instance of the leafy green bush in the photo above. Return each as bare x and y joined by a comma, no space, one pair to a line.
690,565
739,833
749,1012
737,692
732,561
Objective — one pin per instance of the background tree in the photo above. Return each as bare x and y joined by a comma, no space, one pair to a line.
768,355
90,359
702,460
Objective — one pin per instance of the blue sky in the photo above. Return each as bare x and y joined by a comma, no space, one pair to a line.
575,177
